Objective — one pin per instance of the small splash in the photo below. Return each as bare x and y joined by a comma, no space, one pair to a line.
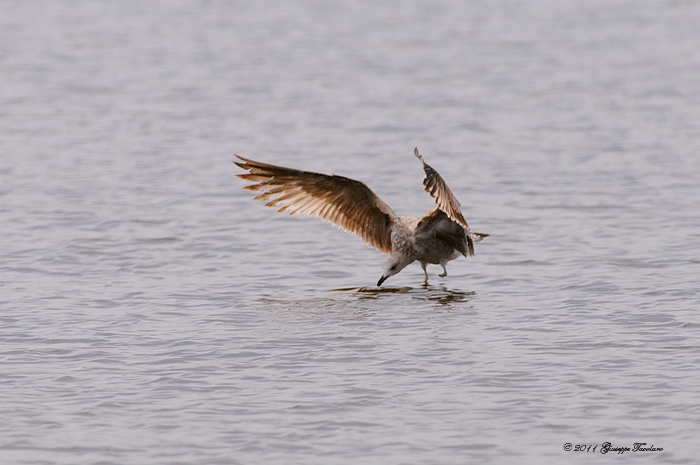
443,296
375,290
437,294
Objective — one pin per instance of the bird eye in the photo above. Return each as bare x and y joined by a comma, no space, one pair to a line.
393,267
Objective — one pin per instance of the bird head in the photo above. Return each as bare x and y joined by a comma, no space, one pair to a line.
392,266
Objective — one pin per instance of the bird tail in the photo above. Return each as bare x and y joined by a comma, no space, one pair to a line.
477,237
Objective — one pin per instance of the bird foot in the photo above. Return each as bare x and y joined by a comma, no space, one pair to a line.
442,275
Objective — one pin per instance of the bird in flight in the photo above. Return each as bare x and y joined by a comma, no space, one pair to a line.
440,236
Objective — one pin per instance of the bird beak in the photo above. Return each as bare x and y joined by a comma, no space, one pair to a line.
381,280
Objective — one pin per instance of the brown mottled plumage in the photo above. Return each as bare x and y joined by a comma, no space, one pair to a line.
440,236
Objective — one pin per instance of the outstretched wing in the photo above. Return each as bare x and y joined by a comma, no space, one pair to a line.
437,188
344,202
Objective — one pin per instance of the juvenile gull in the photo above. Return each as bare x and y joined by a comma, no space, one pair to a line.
440,236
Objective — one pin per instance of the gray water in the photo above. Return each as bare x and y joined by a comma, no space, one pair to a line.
151,312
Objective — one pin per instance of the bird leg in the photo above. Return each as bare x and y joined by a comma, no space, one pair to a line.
442,275
423,265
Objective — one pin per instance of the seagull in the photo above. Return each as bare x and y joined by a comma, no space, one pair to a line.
440,236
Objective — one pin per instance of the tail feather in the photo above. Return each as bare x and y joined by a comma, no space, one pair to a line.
477,237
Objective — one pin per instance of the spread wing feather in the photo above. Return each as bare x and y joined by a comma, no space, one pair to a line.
437,188
342,201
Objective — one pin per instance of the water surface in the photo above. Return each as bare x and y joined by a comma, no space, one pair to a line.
151,312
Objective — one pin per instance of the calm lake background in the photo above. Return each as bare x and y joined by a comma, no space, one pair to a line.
151,312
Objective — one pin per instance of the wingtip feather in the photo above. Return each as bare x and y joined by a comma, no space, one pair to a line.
418,155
